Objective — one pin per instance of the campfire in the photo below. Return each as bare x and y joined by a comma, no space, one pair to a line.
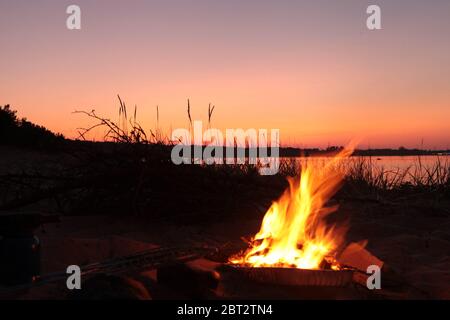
294,233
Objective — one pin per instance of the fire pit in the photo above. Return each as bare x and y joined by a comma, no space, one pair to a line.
284,283
295,245
292,276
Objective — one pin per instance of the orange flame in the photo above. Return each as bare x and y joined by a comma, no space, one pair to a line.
293,232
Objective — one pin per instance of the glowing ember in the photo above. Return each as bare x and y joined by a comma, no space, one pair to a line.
293,233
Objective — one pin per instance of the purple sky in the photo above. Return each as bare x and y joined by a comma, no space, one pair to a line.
311,69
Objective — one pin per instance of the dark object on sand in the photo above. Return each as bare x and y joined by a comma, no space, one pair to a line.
19,260
19,248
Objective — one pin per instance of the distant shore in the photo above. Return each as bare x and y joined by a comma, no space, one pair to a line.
285,152
385,152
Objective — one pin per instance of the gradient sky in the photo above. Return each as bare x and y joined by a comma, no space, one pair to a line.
311,69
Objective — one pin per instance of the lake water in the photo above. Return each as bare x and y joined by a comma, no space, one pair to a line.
397,162
407,161
410,168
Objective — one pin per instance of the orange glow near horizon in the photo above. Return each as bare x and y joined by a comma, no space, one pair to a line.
314,72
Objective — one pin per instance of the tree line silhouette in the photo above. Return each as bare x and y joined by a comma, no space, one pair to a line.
15,131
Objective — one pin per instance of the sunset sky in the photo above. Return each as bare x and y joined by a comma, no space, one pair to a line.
309,68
